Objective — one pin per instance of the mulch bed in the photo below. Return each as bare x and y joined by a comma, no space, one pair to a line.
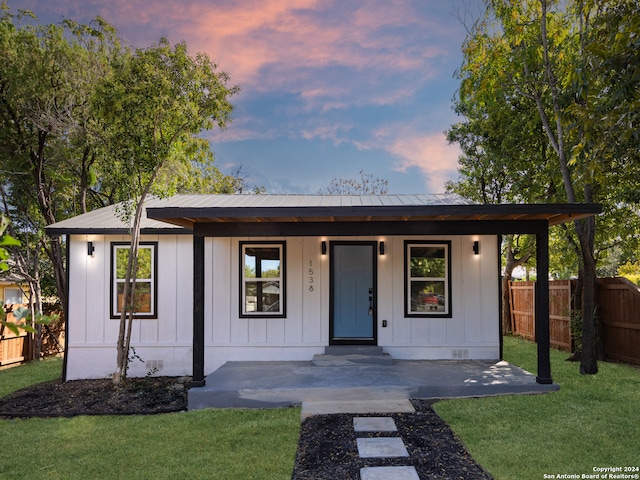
136,396
327,448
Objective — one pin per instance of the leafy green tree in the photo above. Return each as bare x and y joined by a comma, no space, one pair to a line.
46,155
547,57
152,110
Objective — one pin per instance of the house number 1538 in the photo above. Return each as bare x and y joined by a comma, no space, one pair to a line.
310,277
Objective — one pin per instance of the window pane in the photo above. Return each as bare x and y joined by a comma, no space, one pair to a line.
262,262
250,297
249,264
142,297
262,297
269,293
144,262
428,262
428,296
12,295
122,256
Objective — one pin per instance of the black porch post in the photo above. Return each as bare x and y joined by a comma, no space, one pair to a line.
198,312
542,307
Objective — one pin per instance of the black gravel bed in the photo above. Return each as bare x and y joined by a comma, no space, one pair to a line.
327,447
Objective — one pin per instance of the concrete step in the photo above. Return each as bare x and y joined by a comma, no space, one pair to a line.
344,355
353,350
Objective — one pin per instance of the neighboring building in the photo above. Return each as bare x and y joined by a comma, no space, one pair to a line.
280,277
10,290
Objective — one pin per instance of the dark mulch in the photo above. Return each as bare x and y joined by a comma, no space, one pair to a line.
327,448
97,397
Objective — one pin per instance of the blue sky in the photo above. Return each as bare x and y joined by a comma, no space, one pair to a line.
328,87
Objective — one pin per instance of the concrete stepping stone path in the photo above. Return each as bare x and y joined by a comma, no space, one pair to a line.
382,447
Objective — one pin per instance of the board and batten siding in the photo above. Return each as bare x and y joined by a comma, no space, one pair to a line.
471,333
165,343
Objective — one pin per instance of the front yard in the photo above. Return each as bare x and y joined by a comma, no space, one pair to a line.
592,422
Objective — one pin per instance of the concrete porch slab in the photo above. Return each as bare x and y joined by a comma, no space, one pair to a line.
278,384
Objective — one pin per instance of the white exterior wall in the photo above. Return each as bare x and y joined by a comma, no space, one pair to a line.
471,333
166,343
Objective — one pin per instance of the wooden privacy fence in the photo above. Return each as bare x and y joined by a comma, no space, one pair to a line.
20,348
618,312
522,297
13,348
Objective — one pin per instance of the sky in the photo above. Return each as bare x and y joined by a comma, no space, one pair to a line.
329,88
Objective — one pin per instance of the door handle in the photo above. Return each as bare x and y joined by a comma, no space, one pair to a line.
371,302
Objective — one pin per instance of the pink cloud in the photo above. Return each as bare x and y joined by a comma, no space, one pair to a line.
430,153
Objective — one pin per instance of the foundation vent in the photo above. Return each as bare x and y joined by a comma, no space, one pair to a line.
154,365
459,353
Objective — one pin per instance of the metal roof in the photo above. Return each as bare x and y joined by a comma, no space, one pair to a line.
181,213
106,221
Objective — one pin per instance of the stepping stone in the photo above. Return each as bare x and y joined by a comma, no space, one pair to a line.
374,424
382,405
385,447
389,473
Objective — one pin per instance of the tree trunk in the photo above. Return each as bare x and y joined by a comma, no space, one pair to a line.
511,262
588,360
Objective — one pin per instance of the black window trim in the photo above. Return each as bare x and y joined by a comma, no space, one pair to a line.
407,288
283,283
138,316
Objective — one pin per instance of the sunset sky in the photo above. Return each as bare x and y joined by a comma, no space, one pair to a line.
328,87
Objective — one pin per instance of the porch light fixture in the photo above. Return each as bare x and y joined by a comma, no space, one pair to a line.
476,247
381,248
324,248
90,249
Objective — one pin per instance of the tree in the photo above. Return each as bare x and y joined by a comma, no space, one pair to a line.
365,185
537,53
46,79
151,110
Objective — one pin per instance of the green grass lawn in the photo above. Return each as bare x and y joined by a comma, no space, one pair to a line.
206,444
593,421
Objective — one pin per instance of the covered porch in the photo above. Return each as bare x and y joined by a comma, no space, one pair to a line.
260,216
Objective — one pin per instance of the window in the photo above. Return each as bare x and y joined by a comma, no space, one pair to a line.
146,280
12,296
427,279
262,279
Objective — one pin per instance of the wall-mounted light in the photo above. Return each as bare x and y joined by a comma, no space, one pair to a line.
476,247
90,249
323,248
381,248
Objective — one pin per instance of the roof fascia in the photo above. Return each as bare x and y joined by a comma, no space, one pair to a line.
278,229
375,210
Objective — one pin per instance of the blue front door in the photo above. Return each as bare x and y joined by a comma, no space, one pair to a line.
353,294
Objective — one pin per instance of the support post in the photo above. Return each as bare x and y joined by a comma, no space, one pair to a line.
542,308
198,379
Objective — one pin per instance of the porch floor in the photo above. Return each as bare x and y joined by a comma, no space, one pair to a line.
278,384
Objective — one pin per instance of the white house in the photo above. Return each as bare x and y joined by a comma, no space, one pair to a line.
281,277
